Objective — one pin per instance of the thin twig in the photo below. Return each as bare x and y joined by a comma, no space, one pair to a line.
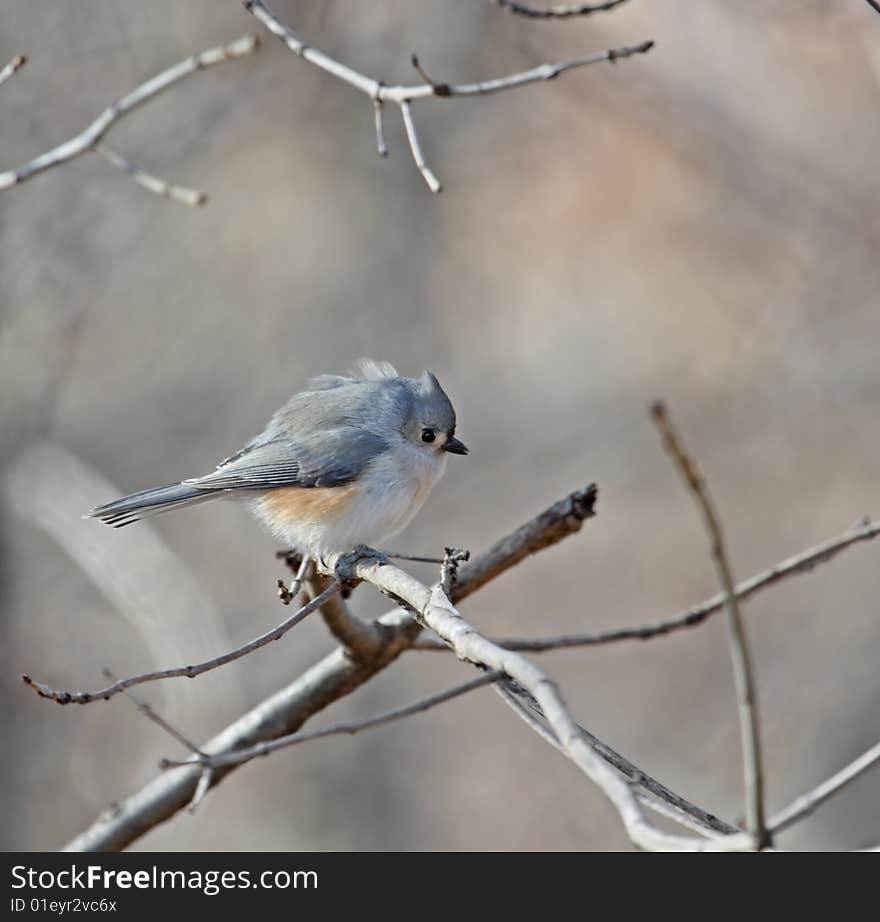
157,719
206,779
68,697
349,727
874,4
416,148
182,194
807,803
557,12
15,64
680,809
288,593
438,613
739,650
403,95
804,562
379,115
327,681
90,139
150,714
393,555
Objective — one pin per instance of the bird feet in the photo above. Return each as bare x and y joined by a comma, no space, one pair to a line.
344,568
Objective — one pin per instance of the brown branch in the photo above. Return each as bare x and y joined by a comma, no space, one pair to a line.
190,672
403,95
804,562
742,667
328,680
558,12
91,138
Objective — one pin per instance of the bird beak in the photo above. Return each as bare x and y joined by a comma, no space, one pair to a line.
455,447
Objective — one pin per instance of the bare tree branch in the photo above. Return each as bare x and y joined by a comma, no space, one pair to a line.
330,679
437,612
15,64
190,672
157,719
557,12
154,184
90,139
874,4
807,803
379,113
742,666
349,727
660,798
804,562
416,148
403,95
700,820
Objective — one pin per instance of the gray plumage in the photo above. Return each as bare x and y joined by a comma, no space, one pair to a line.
325,436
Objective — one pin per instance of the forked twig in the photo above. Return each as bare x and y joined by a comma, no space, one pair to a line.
91,138
403,95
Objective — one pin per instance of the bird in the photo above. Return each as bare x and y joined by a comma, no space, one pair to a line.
344,464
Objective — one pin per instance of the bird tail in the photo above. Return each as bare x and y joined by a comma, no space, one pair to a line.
148,503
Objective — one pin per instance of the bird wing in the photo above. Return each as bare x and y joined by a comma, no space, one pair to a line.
324,459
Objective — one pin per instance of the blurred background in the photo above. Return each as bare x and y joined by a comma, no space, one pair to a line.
699,224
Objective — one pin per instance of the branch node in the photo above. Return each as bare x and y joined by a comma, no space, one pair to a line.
439,89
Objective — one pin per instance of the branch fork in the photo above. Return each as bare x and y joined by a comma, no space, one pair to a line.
404,95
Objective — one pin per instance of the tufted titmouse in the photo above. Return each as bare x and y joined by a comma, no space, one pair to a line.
349,461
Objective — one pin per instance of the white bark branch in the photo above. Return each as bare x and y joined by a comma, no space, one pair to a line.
379,116
437,612
14,65
416,148
403,95
89,139
154,184
746,696
330,679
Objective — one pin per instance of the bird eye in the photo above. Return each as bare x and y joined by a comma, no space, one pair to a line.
428,435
